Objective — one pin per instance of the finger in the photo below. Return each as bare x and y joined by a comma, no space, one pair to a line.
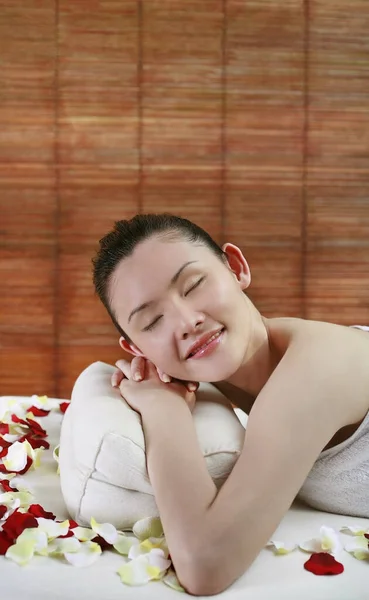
124,366
163,376
138,368
190,400
192,386
116,378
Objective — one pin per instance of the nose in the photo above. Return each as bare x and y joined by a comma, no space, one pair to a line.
188,320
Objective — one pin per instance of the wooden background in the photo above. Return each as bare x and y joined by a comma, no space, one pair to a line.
249,117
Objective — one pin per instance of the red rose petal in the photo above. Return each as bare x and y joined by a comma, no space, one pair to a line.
6,486
104,545
18,522
3,510
322,563
72,524
366,535
67,535
4,443
28,465
18,420
5,542
36,428
38,412
4,452
38,511
4,428
36,442
63,406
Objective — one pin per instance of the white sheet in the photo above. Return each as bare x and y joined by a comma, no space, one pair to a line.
278,577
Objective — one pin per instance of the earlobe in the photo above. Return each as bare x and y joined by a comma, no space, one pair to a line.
131,348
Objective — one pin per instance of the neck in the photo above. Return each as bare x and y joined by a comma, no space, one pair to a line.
259,360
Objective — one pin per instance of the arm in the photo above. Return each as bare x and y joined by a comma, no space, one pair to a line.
213,538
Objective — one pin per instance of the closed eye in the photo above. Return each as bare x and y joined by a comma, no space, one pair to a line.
152,325
195,285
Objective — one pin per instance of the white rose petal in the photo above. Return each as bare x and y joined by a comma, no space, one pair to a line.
171,580
44,403
138,571
16,458
327,541
25,498
148,527
61,546
84,534
156,558
354,530
52,528
37,537
21,552
105,530
146,546
124,544
358,546
87,554
281,547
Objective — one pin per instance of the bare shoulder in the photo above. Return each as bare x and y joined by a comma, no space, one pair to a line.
333,357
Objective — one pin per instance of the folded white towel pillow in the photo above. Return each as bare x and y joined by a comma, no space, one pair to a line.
102,459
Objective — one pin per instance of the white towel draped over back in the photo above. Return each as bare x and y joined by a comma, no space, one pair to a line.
339,479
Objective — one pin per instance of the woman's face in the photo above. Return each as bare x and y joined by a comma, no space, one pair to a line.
169,294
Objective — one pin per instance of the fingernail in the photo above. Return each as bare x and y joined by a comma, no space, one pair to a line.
166,378
137,377
192,387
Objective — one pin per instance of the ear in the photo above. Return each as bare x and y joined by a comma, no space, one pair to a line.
131,348
238,264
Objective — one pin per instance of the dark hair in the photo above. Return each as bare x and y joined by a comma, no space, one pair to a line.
121,242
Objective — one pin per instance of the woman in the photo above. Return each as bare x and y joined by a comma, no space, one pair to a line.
178,301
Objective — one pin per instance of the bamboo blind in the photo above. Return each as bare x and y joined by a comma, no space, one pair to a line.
249,117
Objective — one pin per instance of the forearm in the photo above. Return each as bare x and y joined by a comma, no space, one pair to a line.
177,469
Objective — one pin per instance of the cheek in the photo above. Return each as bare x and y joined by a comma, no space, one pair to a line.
221,299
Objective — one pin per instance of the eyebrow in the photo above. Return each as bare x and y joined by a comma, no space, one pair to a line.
172,282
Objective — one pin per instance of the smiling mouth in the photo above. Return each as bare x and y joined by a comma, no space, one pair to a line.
200,349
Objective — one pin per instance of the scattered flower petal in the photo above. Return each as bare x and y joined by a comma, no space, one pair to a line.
322,563
354,530
38,511
107,531
17,522
45,403
358,547
124,544
63,545
21,552
87,554
16,458
5,543
327,541
53,529
138,571
148,527
172,581
25,498
63,406
84,534
147,546
34,411
281,547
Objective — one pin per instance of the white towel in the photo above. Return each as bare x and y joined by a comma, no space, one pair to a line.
339,479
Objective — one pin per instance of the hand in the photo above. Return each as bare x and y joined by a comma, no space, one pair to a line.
152,391
136,370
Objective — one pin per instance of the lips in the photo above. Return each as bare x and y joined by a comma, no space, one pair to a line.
203,341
